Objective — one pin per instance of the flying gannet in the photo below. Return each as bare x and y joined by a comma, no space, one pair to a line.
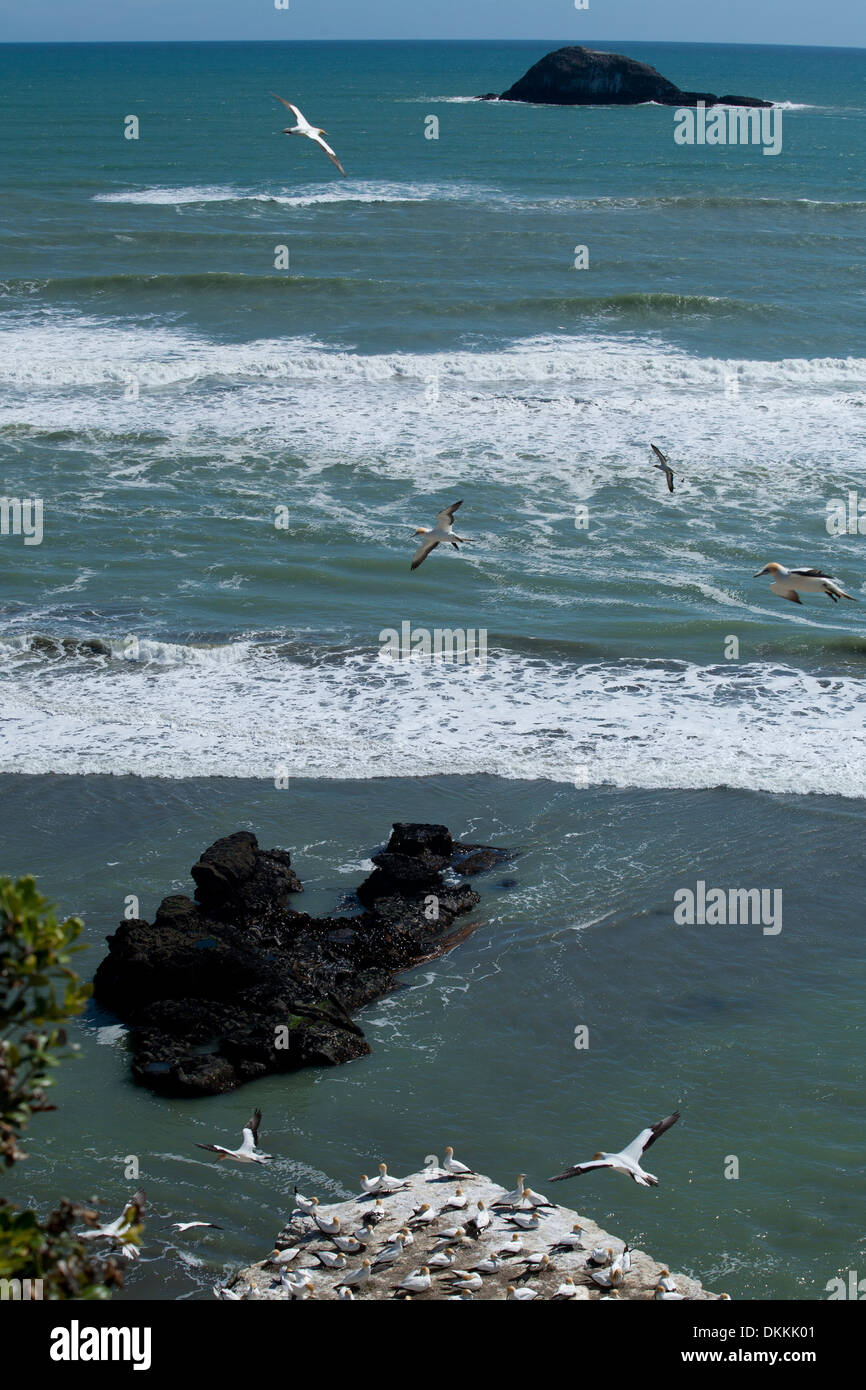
247,1151
118,1229
189,1225
442,533
312,132
664,467
628,1160
786,583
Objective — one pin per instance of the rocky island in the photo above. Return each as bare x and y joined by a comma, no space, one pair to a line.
577,76
513,1256
237,984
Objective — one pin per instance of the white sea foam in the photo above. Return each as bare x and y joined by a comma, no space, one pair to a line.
628,723
306,195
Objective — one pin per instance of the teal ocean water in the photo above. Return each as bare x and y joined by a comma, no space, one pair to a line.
648,714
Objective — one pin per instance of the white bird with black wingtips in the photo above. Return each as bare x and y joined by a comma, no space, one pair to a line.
312,132
664,467
791,583
440,534
627,1161
248,1151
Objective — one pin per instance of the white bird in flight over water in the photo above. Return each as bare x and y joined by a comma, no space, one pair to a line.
786,583
312,132
116,1230
441,533
663,466
628,1160
247,1151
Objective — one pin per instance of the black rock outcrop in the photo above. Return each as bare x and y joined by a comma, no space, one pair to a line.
577,76
238,984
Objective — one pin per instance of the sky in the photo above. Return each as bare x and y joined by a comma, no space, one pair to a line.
832,22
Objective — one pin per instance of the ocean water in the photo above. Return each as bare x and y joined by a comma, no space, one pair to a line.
648,713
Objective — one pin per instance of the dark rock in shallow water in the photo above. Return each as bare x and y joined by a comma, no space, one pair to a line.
577,76
238,984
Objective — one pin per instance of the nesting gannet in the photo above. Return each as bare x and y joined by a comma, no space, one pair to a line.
422,1216
567,1289
375,1214
312,132
369,1185
523,1294
121,1227
307,1205
356,1277
458,1202
608,1278
344,1293
489,1265
667,1295
791,583
513,1248
329,1259
189,1225
536,1263
452,1235
525,1220
479,1222
571,1241
512,1199
664,467
390,1253
465,1279
628,1160
247,1151
298,1288
230,1294
534,1199
442,1259
349,1245
328,1225
600,1255
284,1257
665,1281
416,1282
442,533
386,1183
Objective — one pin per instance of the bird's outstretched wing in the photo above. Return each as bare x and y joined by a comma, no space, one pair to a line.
812,574
331,155
655,1131
294,110
253,1125
422,552
656,450
580,1168
670,480
446,516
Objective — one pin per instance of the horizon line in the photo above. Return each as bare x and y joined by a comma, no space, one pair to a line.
682,43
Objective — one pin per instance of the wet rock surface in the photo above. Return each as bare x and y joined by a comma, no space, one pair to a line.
237,983
578,76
